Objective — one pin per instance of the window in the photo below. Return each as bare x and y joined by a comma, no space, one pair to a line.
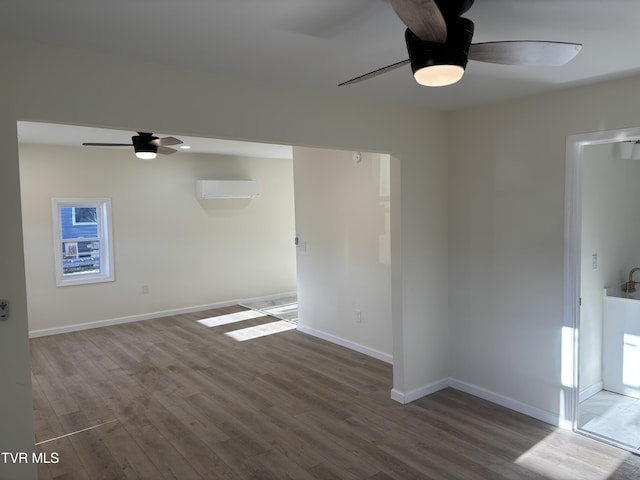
82,240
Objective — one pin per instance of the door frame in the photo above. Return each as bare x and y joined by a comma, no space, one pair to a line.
570,355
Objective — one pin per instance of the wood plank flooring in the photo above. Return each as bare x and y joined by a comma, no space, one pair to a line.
173,399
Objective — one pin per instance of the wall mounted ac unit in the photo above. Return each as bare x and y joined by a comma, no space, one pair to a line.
211,189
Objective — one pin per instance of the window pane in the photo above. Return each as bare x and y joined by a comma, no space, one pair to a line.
71,228
85,215
80,257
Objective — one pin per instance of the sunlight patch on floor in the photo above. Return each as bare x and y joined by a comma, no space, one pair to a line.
261,330
544,458
230,318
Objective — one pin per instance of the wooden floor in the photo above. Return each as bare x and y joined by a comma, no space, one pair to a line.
173,399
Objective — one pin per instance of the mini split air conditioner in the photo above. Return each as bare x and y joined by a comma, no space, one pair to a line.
212,189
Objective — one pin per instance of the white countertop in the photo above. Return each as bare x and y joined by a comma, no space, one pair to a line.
620,292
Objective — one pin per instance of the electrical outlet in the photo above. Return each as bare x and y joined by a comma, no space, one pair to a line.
358,316
145,289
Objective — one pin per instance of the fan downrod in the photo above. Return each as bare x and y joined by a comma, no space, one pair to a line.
453,8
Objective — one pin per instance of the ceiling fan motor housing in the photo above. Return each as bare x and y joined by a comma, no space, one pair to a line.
454,51
141,143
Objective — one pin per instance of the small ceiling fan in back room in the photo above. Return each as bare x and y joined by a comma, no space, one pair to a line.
146,145
439,44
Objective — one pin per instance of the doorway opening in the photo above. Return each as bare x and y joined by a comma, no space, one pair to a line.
176,251
285,308
601,249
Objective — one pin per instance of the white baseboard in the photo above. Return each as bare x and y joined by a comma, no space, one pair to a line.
590,391
476,391
385,357
510,403
148,316
412,395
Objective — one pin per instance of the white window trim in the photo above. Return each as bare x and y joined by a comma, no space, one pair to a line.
106,273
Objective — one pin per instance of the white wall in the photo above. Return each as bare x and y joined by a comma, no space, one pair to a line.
188,252
75,87
506,191
343,219
16,411
611,229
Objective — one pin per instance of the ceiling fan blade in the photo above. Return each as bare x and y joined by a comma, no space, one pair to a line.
526,53
375,73
108,144
423,18
165,141
166,150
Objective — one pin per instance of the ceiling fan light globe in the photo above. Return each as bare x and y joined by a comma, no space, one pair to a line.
146,155
438,75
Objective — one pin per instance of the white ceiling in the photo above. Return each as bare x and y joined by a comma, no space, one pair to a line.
316,44
74,135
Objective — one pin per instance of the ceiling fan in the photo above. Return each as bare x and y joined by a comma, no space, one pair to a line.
146,145
439,44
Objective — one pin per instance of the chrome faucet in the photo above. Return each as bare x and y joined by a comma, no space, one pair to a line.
630,286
